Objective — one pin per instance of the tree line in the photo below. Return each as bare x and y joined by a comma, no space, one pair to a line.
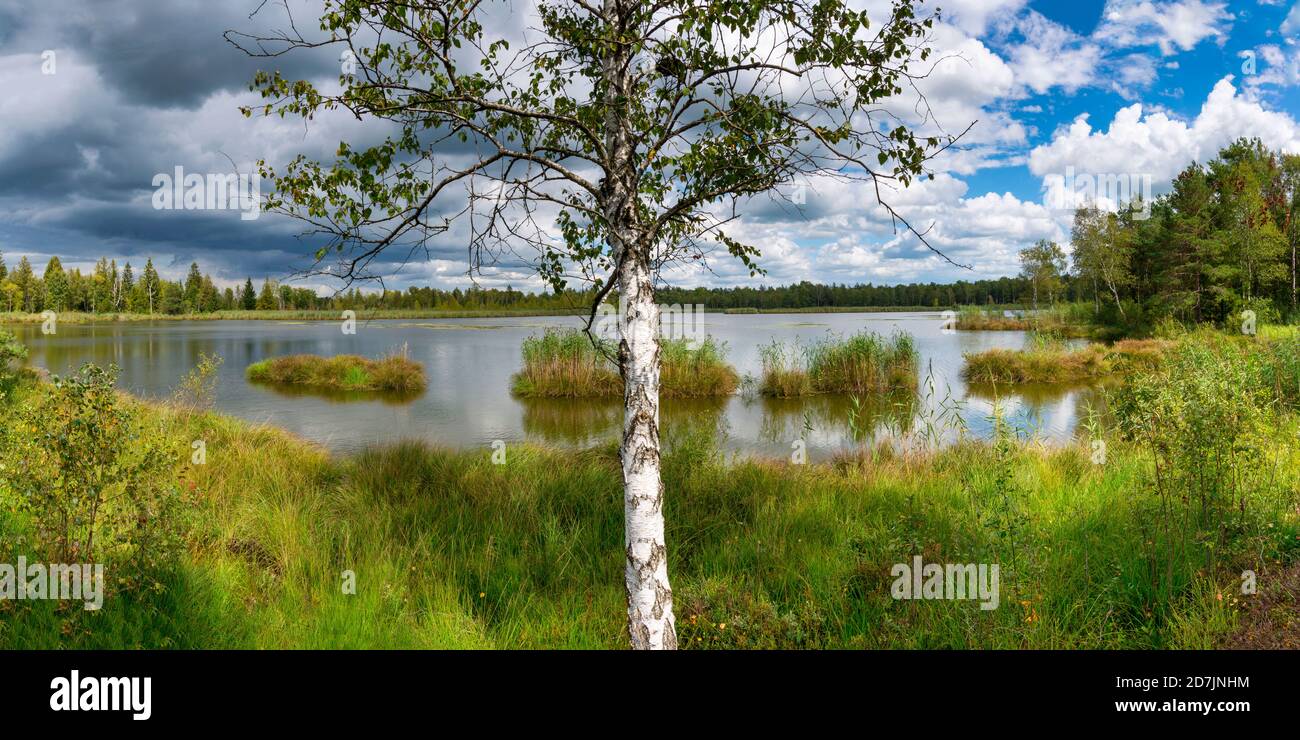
110,289
1222,241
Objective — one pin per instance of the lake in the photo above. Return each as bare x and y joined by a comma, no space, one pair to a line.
469,363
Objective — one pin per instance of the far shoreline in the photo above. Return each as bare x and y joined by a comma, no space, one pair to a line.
77,317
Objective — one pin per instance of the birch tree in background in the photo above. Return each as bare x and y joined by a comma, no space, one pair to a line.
601,143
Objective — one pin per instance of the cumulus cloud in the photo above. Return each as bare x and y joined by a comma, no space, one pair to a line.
1052,56
1171,26
1156,145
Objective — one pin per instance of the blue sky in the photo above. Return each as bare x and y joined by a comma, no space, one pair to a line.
1114,87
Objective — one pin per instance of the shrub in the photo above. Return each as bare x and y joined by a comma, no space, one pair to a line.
92,476
12,355
1203,418
199,388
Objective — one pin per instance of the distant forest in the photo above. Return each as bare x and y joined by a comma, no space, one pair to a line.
113,289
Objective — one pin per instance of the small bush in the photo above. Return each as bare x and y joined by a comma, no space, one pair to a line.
12,355
92,476
1204,420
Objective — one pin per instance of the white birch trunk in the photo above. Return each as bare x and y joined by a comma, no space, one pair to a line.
650,621
649,599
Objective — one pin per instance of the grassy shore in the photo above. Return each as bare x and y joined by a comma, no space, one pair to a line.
834,309
865,362
277,544
563,363
77,317
395,372
449,550
1055,362
1067,320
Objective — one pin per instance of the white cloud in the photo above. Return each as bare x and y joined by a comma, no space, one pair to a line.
975,16
1176,25
1159,144
1053,56
1292,23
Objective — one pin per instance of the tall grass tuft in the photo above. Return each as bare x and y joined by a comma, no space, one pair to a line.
865,362
563,363
1047,361
395,372
695,369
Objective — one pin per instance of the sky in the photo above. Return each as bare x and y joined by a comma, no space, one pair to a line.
99,98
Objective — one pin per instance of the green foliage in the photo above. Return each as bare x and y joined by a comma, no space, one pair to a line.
662,120
12,355
199,387
94,478
1205,420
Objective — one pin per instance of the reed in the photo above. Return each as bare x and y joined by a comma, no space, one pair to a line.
394,372
564,363
865,362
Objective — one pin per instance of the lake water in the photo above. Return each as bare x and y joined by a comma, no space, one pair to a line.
469,363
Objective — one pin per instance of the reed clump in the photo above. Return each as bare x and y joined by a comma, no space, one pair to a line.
564,363
865,362
394,372
1057,362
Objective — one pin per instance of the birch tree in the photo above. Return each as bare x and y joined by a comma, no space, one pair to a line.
606,140
1043,264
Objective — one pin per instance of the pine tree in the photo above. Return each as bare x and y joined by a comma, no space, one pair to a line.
193,289
56,285
149,287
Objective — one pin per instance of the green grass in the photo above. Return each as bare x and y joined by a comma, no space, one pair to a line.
395,373
563,363
451,551
1055,362
865,362
1065,319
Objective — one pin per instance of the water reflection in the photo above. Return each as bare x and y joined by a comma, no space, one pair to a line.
339,395
837,416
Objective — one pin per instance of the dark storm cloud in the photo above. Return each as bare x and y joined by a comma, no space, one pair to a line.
164,54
